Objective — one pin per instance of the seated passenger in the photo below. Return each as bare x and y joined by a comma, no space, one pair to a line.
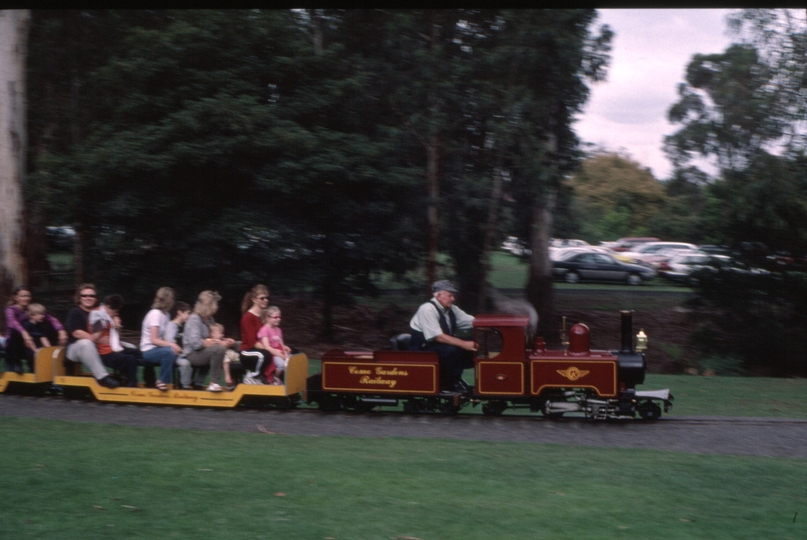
81,347
103,323
198,348
19,343
155,349
173,334
271,337
434,327
38,329
254,358
230,356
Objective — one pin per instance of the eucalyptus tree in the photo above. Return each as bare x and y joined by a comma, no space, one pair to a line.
744,109
530,74
13,141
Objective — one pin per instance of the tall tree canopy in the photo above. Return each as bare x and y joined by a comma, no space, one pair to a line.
311,149
744,109
616,196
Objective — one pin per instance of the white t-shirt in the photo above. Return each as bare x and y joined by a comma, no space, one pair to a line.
155,317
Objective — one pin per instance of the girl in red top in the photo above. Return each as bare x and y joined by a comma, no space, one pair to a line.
254,357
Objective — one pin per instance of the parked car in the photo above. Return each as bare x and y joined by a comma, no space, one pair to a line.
597,266
650,249
516,246
714,250
687,267
567,242
629,243
558,254
661,258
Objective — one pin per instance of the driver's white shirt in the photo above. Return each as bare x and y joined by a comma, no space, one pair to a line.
427,320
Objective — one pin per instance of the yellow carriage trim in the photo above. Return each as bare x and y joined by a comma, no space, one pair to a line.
296,375
44,362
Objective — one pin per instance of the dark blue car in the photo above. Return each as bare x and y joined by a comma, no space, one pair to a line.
593,266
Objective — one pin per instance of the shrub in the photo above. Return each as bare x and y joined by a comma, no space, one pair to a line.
760,320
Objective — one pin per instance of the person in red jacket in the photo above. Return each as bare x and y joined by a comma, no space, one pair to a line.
254,358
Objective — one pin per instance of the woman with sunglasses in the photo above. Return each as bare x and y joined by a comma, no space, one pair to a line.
253,356
81,346
19,343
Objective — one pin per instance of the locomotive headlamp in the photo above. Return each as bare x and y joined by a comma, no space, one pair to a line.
641,341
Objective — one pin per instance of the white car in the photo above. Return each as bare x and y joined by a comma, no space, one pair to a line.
650,249
566,242
683,266
516,246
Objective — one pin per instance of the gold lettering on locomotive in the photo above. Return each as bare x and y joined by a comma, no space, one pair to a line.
394,372
353,370
378,381
572,373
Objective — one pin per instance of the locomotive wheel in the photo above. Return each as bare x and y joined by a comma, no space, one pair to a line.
494,408
649,410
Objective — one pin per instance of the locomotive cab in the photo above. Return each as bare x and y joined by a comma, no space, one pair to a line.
512,373
501,362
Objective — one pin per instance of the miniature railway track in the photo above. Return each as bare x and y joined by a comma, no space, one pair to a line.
769,437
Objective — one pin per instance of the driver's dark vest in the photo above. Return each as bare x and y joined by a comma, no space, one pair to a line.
418,340
443,323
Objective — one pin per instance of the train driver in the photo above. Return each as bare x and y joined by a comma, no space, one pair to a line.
439,326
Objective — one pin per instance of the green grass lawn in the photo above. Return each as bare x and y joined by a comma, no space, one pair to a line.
734,396
73,480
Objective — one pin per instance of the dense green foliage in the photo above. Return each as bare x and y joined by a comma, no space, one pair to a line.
762,327
216,149
744,109
616,197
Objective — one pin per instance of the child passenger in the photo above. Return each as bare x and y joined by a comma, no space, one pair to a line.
271,337
103,324
173,333
217,335
36,326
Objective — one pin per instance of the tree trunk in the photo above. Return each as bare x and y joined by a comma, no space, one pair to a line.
317,31
539,284
79,244
14,26
490,233
432,212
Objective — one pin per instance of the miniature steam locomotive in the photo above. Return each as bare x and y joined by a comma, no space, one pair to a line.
508,374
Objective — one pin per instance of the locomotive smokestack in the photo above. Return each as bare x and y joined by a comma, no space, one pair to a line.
627,331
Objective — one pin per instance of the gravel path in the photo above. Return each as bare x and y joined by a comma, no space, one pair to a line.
700,435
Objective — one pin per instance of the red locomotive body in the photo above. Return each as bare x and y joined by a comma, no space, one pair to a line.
509,373
381,372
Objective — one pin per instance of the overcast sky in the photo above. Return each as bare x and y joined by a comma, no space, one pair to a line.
651,48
